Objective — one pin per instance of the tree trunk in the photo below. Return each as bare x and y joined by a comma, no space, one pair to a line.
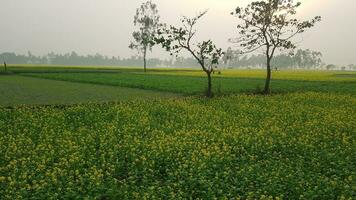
144,59
209,93
267,89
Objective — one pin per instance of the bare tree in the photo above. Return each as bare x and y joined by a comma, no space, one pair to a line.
175,39
269,24
148,22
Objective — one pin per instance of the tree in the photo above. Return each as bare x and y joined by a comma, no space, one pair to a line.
270,24
307,58
228,57
351,67
175,39
330,67
148,22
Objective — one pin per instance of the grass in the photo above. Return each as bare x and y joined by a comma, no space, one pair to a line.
19,90
193,85
294,146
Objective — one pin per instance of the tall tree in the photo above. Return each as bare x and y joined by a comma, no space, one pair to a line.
176,39
270,24
308,58
228,56
147,20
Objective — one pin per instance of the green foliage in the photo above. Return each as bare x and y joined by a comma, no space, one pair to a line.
147,20
270,24
175,39
303,147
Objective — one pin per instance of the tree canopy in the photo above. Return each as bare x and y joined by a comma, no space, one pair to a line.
175,39
269,24
147,20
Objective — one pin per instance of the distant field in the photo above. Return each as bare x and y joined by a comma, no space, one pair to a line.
19,90
304,75
195,85
193,82
281,74
294,146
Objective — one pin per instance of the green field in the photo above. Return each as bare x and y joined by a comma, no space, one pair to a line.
20,90
196,84
281,74
156,137
193,82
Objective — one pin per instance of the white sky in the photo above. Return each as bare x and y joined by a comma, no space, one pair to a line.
105,26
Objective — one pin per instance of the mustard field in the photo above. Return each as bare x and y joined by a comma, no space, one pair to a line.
306,75
284,74
297,145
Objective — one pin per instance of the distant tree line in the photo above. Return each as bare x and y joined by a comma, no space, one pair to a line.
302,59
76,59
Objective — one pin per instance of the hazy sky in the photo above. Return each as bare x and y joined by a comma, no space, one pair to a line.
105,26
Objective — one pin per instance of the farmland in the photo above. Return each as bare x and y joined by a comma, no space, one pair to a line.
192,82
20,90
101,137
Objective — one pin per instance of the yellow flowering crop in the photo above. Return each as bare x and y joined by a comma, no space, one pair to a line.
294,146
